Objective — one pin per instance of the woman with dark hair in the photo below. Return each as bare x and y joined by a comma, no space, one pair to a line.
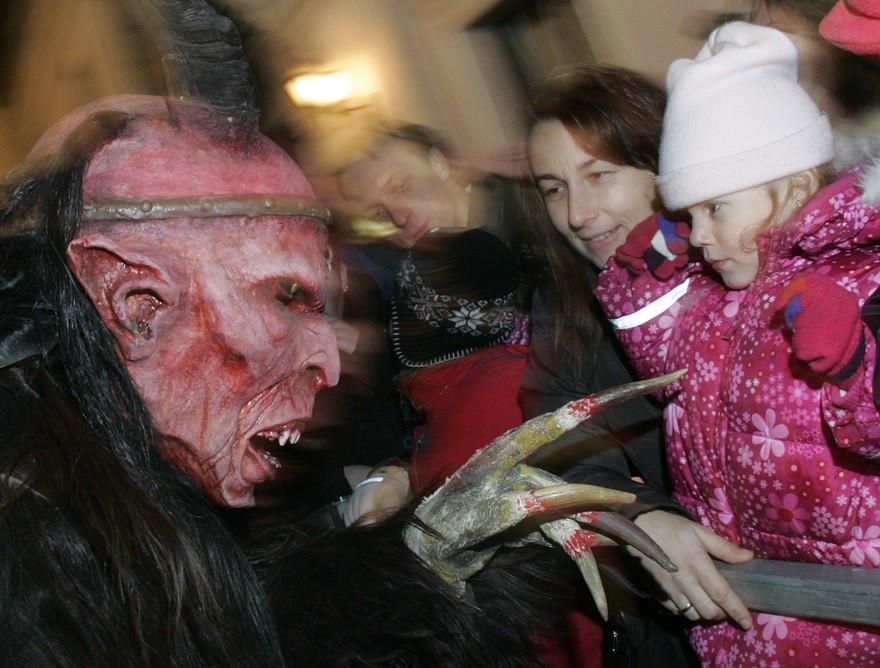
620,114
593,150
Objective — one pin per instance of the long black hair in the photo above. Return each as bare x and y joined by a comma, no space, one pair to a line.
109,556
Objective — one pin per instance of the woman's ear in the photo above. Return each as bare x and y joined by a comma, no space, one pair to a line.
130,291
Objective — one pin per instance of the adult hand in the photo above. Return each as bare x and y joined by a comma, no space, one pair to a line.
384,491
827,331
697,590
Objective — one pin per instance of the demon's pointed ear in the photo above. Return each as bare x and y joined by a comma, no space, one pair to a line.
128,289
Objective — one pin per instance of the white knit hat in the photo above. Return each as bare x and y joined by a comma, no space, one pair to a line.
737,118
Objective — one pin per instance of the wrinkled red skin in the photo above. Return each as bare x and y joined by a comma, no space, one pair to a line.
235,361
227,357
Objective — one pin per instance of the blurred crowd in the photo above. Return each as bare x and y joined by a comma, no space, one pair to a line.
725,222
478,300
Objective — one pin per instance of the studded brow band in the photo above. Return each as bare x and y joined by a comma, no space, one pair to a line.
215,206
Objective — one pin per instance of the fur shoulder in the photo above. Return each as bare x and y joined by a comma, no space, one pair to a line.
870,183
857,142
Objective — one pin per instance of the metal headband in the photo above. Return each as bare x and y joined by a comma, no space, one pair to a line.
210,206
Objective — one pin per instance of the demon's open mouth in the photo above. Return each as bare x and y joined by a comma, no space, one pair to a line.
269,440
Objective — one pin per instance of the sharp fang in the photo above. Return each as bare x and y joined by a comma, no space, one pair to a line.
272,460
284,438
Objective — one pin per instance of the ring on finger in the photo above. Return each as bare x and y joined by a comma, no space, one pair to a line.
684,609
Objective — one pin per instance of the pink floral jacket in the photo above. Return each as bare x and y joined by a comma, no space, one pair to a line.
760,449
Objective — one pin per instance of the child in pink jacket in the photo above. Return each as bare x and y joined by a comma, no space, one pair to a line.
773,436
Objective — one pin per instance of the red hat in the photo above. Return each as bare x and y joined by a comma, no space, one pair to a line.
854,25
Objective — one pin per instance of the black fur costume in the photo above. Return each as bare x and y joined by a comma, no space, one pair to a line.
109,557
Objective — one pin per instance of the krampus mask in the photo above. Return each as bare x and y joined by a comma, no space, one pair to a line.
202,249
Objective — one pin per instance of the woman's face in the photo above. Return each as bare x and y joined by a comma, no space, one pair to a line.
591,202
724,229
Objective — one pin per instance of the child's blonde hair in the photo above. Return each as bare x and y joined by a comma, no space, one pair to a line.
788,194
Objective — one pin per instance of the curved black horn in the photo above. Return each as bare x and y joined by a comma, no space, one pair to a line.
204,58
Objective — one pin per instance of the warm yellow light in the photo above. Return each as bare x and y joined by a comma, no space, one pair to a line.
320,90
372,229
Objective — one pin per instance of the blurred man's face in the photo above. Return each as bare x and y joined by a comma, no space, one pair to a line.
404,184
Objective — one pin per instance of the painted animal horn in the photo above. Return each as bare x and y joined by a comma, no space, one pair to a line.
627,532
516,444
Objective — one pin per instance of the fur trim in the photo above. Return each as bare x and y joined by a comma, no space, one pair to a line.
360,597
870,182
857,141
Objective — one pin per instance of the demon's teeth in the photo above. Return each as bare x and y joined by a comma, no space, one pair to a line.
285,437
272,460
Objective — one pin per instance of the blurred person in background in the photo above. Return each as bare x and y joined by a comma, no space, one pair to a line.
593,149
455,330
840,83
408,175
853,25
456,333
402,177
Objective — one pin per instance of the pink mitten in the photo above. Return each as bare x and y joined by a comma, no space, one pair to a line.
827,332
656,244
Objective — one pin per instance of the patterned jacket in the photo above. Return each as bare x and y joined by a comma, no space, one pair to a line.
760,449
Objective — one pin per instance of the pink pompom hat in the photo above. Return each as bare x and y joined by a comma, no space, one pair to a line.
854,25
